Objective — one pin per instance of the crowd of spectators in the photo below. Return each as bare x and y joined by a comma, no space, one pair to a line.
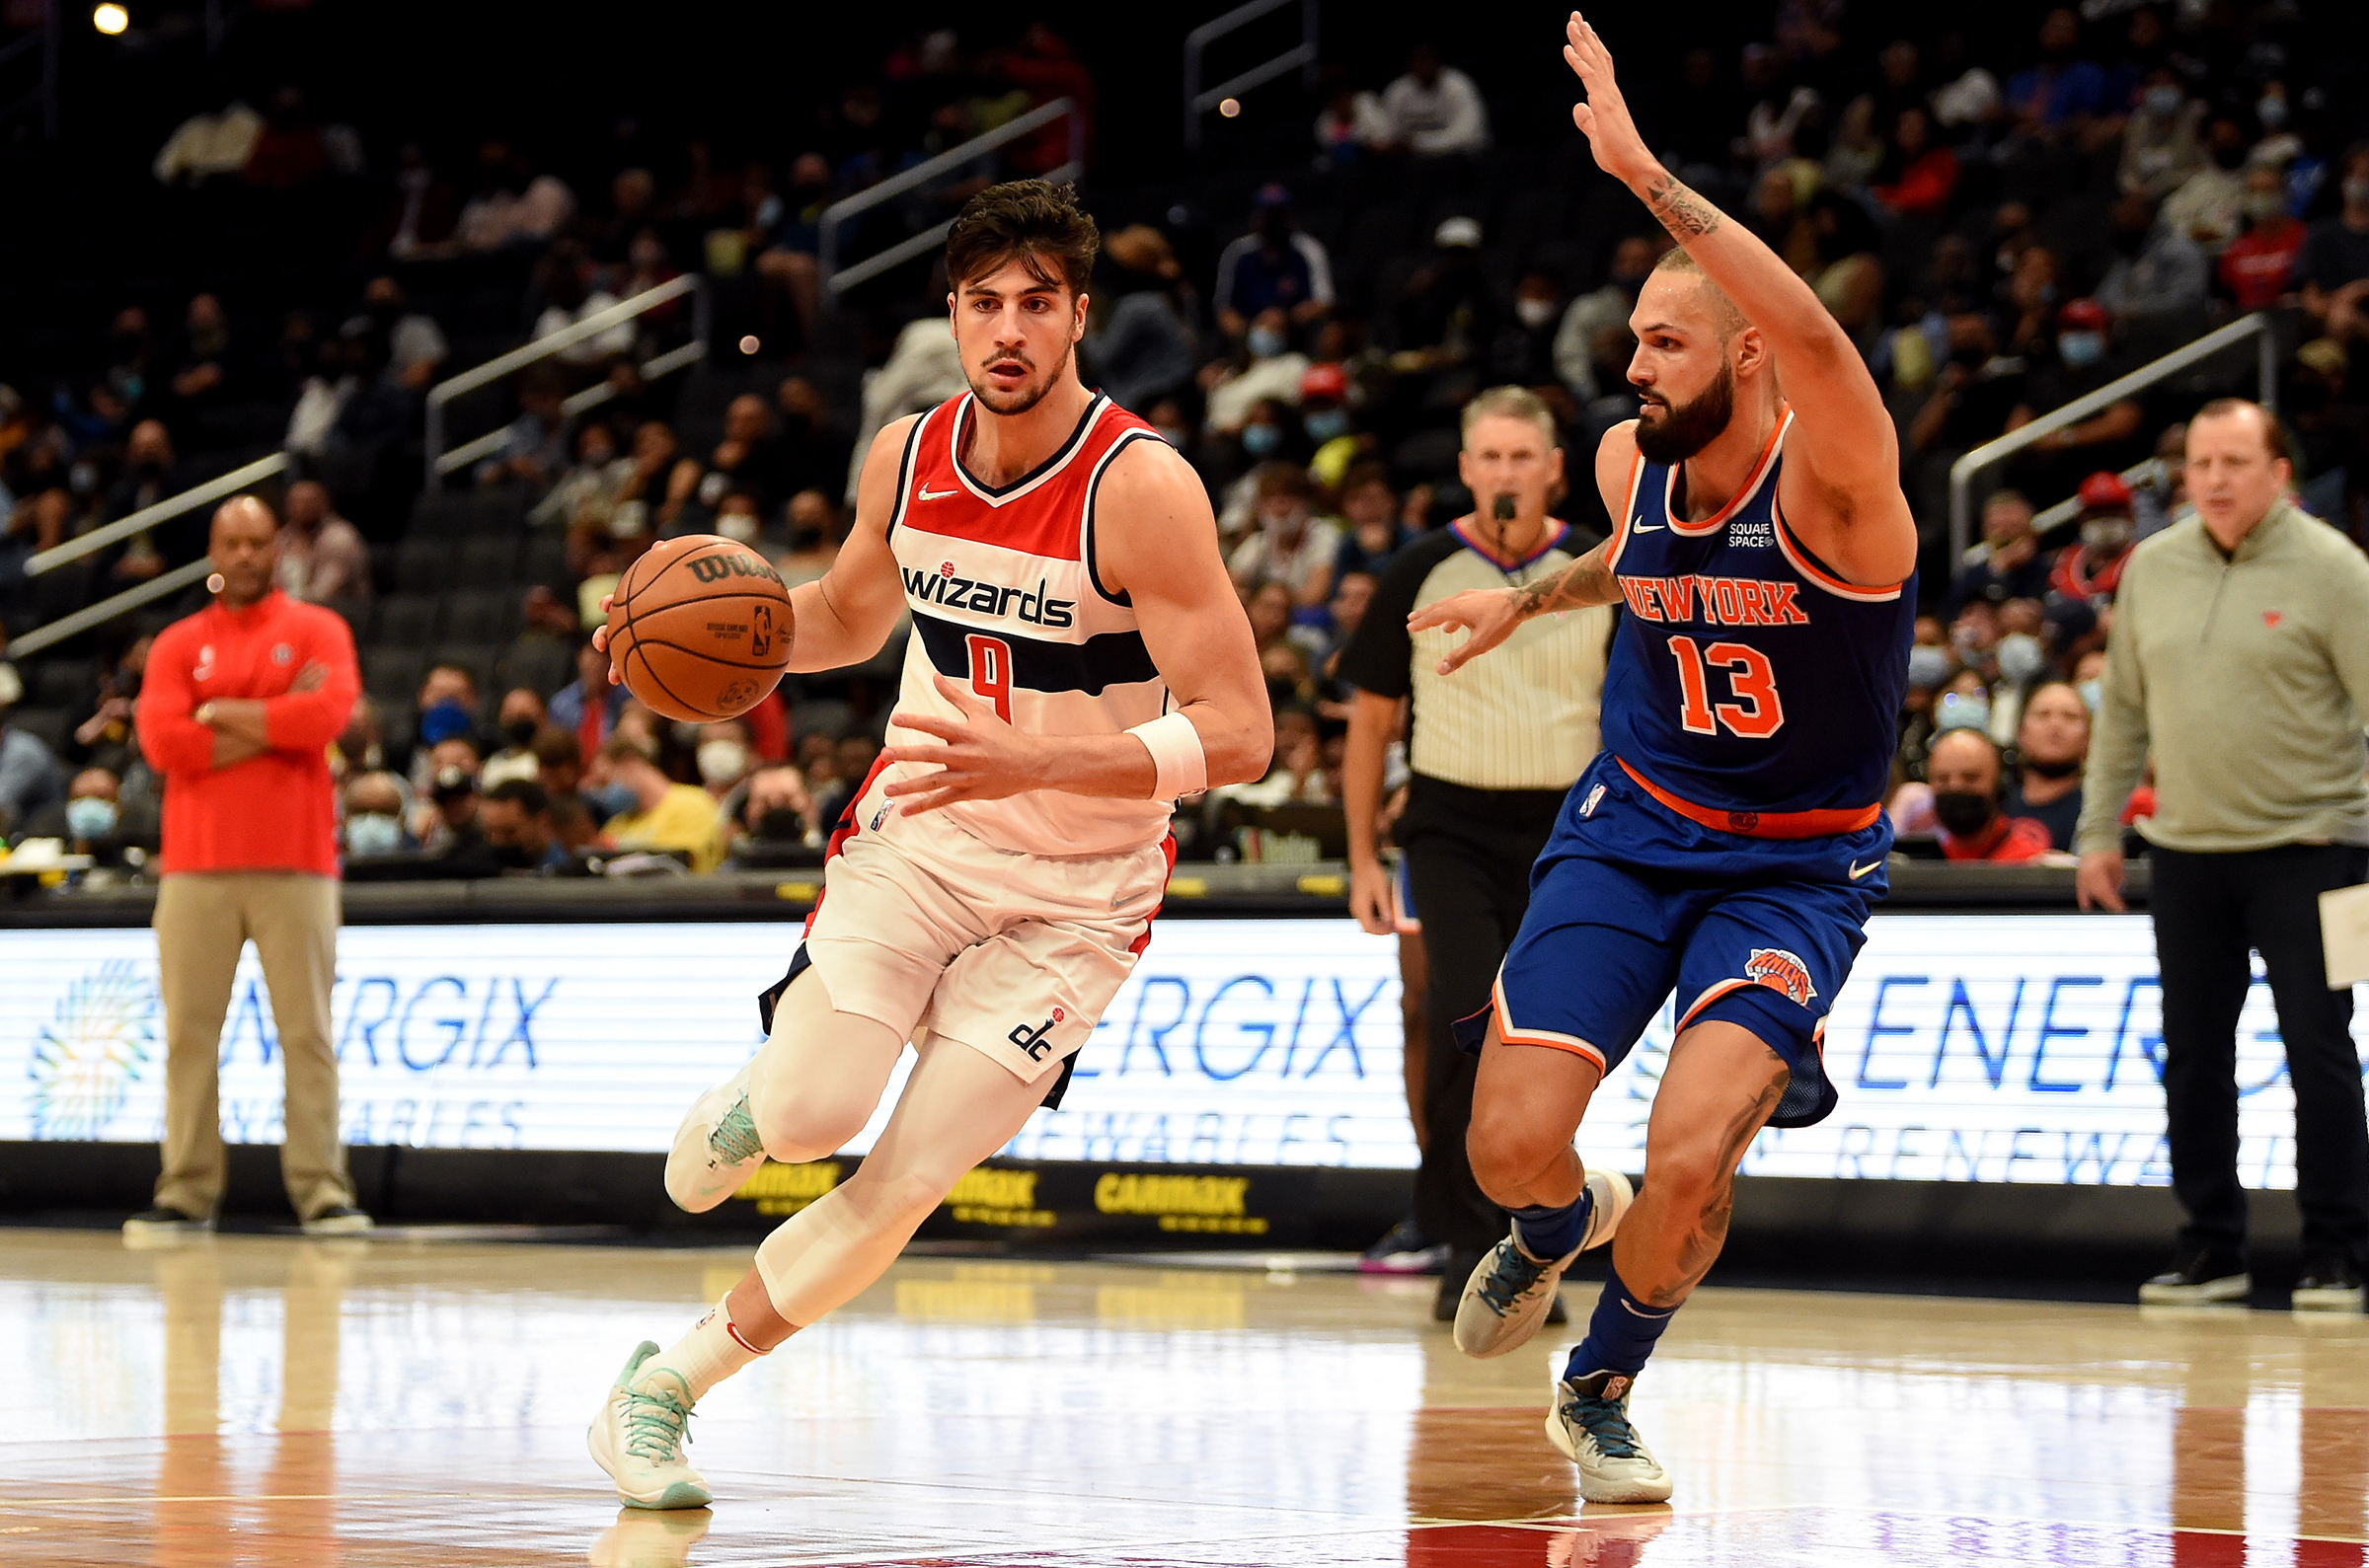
1999,237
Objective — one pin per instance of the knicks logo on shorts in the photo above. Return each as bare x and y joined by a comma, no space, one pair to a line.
1780,970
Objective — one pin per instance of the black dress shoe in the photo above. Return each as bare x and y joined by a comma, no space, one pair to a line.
2199,1276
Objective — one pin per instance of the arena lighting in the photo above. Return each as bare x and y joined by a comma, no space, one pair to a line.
1229,107
750,344
111,19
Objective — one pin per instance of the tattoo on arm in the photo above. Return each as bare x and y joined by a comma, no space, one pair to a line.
1585,582
1685,214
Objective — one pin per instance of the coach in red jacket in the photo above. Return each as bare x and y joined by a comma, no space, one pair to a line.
238,705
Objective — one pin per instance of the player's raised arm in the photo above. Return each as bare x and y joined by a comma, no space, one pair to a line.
846,615
1843,443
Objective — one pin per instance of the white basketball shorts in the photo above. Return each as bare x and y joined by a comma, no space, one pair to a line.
923,927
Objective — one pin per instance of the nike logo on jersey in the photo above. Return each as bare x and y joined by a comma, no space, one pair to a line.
929,495
1858,871
1644,527
1722,601
1033,605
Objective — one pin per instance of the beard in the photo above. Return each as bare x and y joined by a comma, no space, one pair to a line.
1688,428
1025,397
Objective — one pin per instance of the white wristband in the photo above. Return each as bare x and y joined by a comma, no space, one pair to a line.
1178,765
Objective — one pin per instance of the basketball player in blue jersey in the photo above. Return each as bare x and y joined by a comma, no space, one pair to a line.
1078,661
1727,843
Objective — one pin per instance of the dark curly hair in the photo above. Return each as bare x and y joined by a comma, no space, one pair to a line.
1029,221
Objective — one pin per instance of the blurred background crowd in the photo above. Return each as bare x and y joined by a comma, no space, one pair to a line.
2008,210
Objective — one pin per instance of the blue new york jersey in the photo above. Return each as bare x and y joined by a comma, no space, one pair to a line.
1747,677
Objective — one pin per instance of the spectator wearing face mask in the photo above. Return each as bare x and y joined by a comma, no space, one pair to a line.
2210,204
523,718
2334,265
2156,269
2257,267
1522,353
2052,744
1964,768
374,817
1371,529
662,814
1591,314
92,820
723,755
1274,267
1326,421
2110,438
2007,563
1290,545
778,813
2160,146
1268,368
2091,570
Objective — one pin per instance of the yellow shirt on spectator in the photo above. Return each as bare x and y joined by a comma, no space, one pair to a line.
685,818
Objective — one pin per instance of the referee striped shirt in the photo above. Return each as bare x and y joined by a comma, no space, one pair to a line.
1522,716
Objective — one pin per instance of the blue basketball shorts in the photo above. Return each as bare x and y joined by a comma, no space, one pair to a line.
1632,901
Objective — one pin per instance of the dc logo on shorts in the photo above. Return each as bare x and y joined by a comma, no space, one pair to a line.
1587,808
1780,970
1034,1041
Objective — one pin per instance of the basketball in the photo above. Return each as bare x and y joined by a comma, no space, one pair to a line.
699,628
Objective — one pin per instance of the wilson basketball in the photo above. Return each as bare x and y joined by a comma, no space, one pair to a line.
699,628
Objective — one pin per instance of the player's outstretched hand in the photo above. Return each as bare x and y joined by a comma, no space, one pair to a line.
600,637
1489,614
1604,119
980,757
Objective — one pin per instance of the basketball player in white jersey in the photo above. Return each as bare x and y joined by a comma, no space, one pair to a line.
1079,661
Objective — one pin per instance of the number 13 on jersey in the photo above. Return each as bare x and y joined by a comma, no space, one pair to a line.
1756,713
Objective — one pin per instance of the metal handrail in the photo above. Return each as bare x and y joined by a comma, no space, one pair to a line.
442,462
1961,473
238,478
837,280
66,626
1199,101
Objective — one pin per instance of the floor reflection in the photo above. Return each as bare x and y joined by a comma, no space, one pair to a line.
300,1403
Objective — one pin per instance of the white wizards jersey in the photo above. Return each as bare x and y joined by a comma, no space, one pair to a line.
1006,601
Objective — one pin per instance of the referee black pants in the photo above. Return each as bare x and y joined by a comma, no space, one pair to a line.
1469,854
2209,910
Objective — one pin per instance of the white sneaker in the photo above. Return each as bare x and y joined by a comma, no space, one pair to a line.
716,1148
1508,1293
1589,1423
638,1438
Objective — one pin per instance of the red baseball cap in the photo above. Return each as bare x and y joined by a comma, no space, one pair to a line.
2104,491
2083,312
1325,380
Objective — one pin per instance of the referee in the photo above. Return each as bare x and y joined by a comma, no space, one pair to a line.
2241,656
1492,752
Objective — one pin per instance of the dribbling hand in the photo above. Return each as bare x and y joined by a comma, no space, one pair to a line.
1604,119
1489,614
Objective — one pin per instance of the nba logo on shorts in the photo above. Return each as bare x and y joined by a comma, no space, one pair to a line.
1780,970
1587,807
877,817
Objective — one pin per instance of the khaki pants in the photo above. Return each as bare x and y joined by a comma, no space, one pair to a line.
203,921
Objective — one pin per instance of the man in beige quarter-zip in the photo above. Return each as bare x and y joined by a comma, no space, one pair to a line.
2241,659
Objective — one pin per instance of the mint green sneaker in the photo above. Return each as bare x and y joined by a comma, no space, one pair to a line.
716,1148
638,1438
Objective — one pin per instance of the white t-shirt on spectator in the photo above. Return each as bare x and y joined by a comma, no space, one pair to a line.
618,340
1447,117
1231,401
495,218
1260,558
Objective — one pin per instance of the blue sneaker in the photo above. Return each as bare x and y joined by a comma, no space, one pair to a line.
1508,1293
1589,1422
638,1438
